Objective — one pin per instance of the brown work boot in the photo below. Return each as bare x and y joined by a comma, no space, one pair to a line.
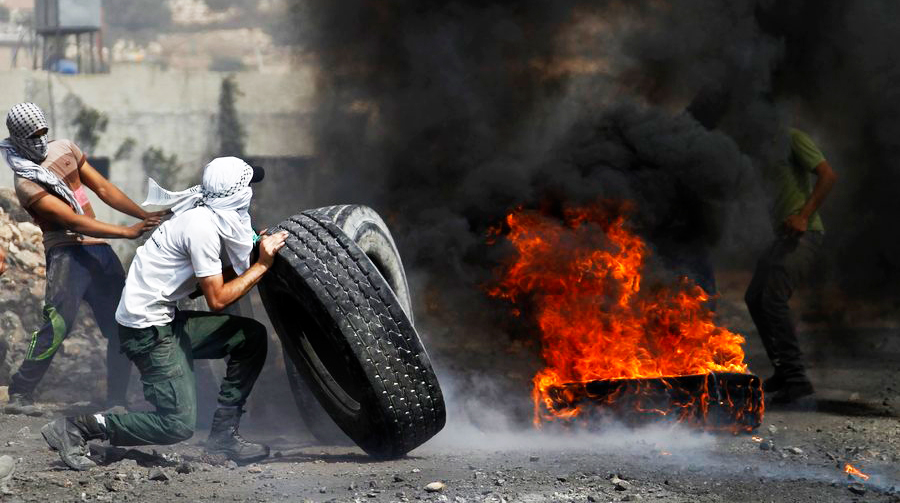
69,436
225,439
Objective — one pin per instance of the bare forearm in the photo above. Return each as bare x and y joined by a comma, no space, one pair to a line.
95,228
220,294
115,198
237,287
823,187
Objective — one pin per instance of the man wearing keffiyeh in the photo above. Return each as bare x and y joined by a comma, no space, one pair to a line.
50,181
207,243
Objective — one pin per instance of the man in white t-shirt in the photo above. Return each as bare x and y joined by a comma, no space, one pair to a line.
211,223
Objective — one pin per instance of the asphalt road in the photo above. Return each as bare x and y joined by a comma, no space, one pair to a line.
488,452
849,423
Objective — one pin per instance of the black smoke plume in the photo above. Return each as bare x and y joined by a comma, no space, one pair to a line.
842,64
445,115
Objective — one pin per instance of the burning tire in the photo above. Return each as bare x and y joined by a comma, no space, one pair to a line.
715,401
348,335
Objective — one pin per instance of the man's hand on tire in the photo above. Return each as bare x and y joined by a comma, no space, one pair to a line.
269,246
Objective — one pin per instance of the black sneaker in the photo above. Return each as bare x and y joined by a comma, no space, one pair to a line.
793,391
21,404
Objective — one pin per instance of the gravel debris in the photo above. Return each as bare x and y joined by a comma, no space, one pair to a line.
619,483
158,474
435,487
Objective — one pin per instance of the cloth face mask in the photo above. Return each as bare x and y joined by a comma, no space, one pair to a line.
23,121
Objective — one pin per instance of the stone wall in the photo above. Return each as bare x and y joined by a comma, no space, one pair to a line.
174,110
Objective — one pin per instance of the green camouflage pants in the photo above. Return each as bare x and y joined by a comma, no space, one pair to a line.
165,358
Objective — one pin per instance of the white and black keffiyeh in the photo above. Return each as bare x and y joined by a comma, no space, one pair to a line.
225,190
24,154
22,121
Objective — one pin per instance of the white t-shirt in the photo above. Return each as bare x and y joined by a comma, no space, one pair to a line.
165,268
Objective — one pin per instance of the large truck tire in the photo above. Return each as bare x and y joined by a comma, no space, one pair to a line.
349,337
317,421
365,227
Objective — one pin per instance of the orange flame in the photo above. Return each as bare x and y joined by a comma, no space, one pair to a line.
584,274
849,469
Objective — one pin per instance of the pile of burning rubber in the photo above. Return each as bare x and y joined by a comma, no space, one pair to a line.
613,349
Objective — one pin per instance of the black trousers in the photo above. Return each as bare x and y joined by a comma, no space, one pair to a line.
786,264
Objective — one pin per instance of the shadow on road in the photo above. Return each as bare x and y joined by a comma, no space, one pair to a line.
853,409
348,457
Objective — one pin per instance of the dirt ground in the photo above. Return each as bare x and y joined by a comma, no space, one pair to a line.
800,458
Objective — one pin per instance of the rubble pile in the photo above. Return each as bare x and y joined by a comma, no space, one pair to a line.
79,366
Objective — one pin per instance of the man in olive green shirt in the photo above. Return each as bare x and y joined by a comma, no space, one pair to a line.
789,261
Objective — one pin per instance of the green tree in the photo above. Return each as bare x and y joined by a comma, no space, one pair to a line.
161,167
125,149
89,124
230,130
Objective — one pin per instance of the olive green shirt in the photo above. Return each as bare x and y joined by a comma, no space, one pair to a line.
792,180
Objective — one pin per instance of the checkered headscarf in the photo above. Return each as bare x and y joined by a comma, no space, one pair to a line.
23,120
211,190
225,190
25,155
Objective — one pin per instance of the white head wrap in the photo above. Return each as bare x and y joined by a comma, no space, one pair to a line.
226,192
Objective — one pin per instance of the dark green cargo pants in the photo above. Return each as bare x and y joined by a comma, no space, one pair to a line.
165,358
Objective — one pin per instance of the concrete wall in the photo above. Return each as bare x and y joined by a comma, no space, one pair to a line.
170,109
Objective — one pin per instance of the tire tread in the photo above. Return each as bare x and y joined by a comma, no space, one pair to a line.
408,397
